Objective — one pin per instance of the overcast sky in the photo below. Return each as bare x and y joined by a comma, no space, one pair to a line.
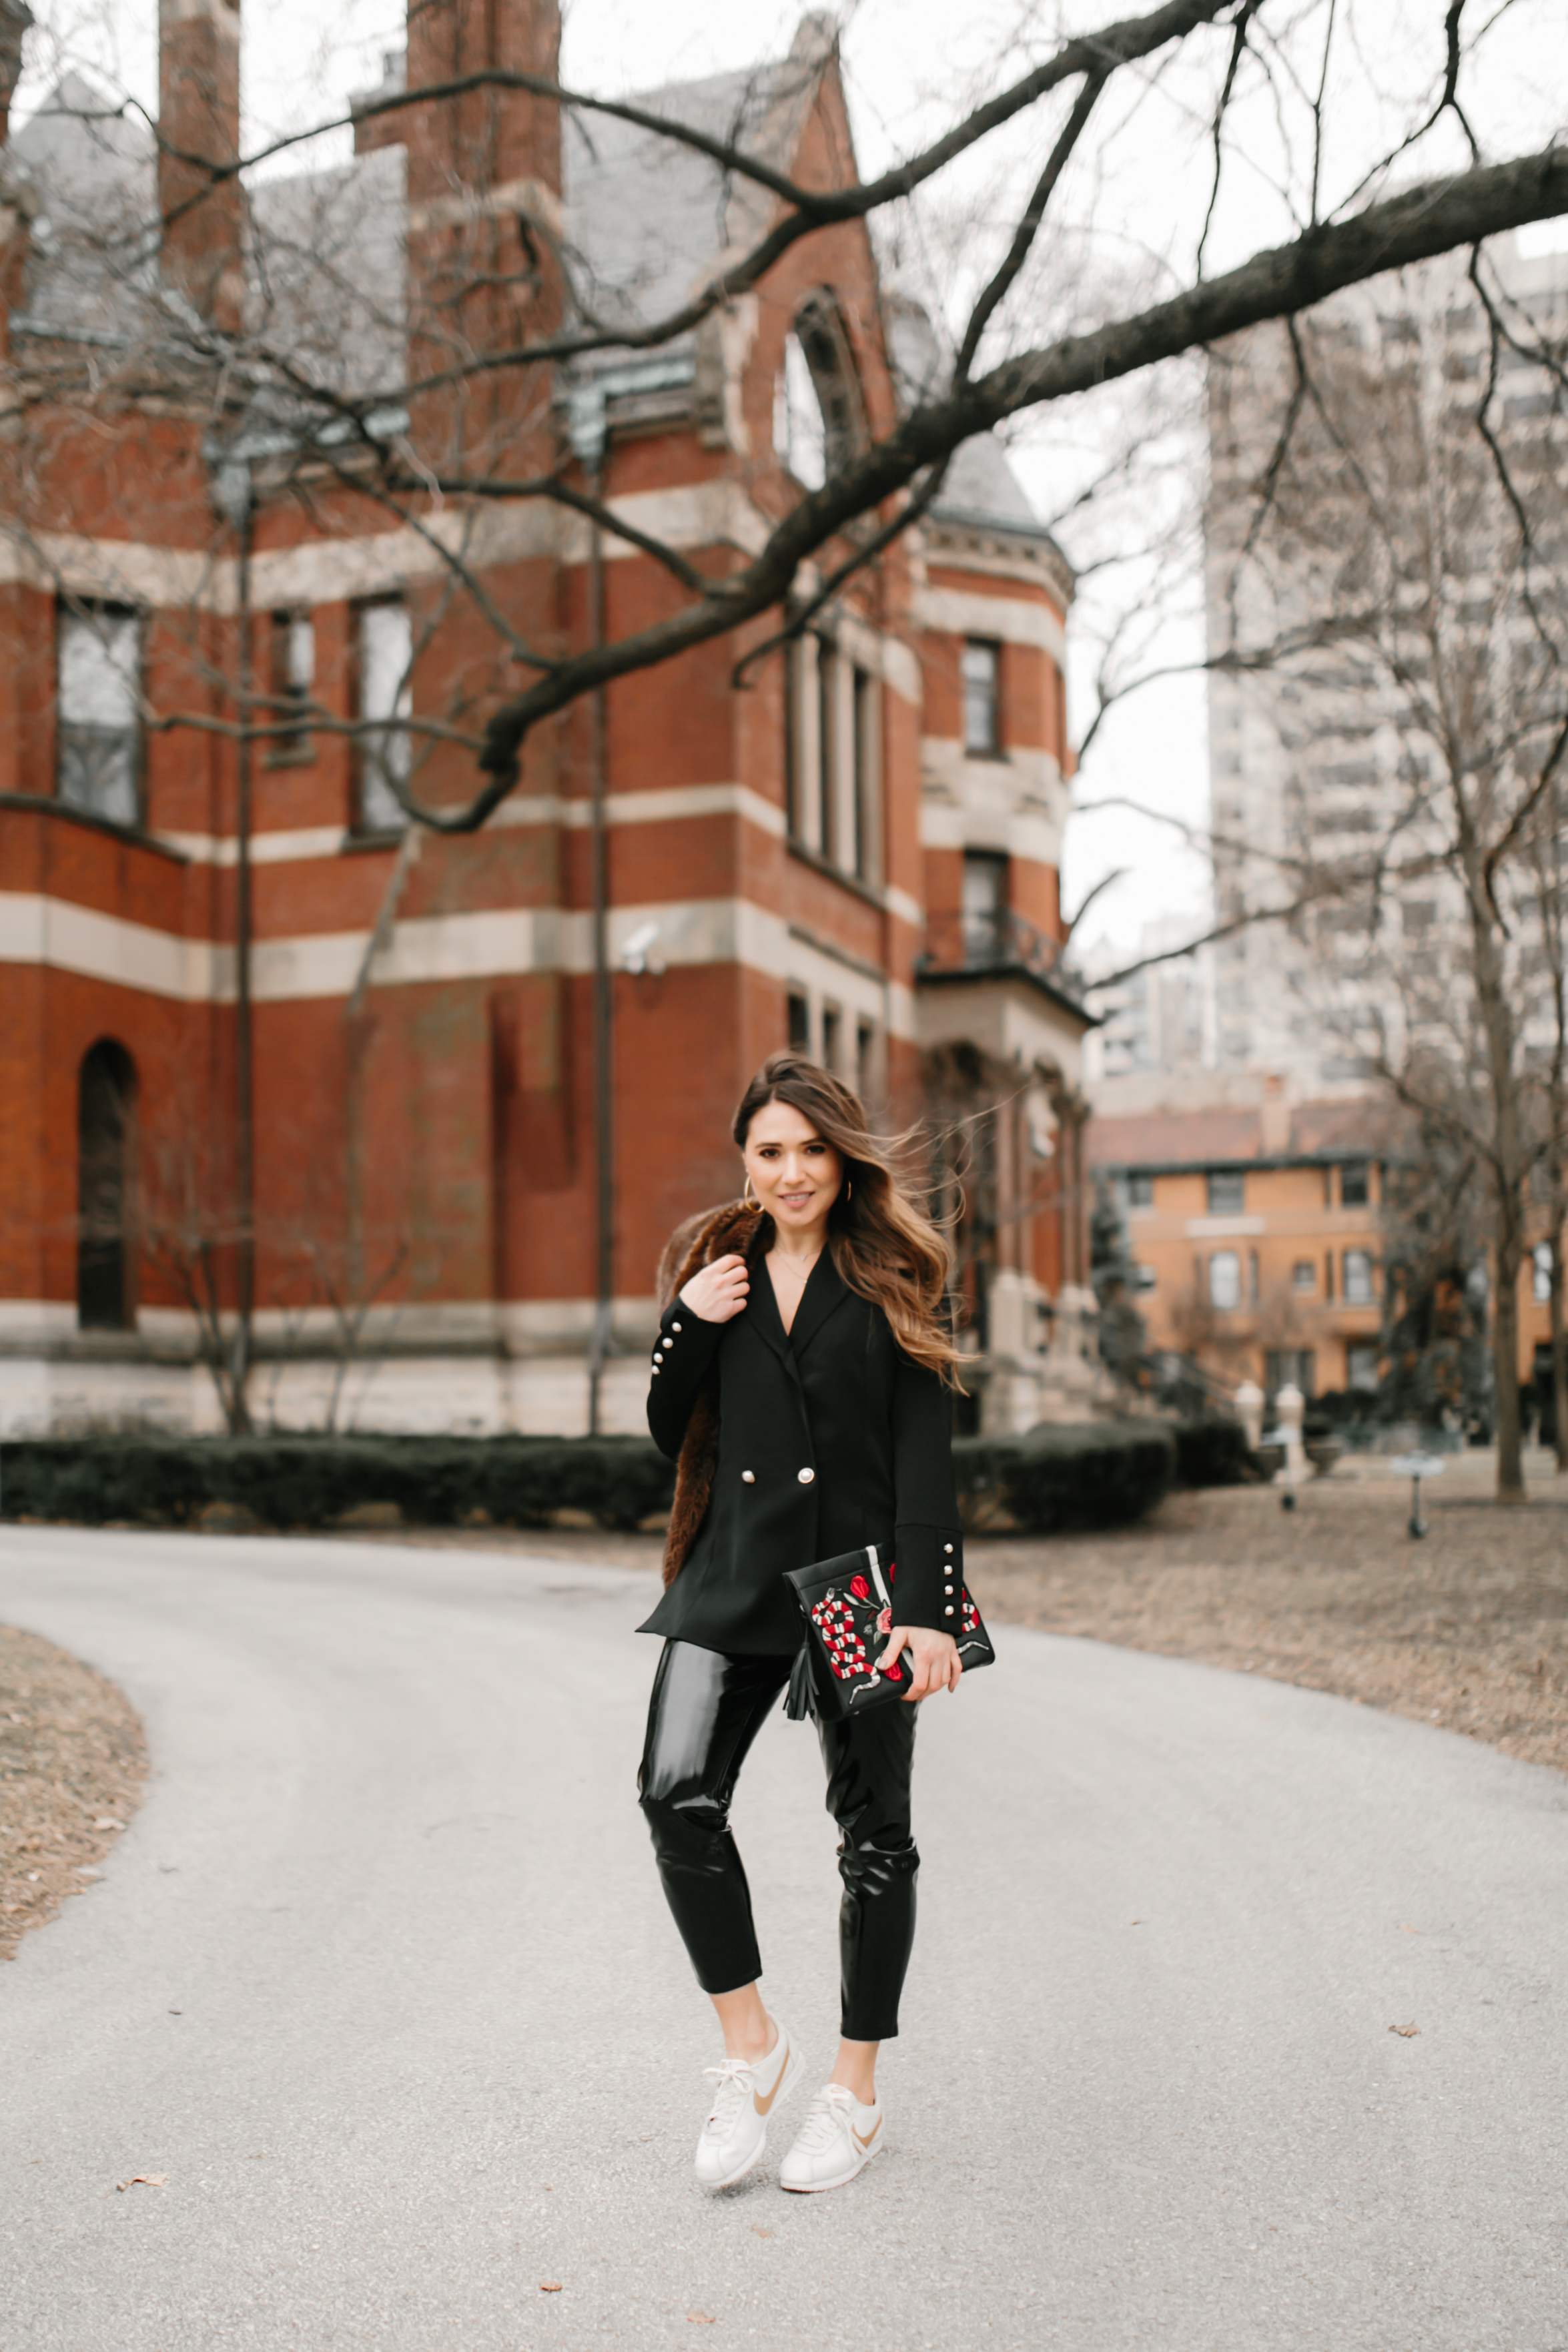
910,66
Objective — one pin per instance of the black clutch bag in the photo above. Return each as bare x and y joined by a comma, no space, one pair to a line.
847,1604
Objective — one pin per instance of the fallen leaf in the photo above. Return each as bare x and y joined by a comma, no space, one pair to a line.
146,2180
1406,1930
548,2286
1405,2032
701,2318
761,2233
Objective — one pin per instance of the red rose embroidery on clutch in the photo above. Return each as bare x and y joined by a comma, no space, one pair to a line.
859,1588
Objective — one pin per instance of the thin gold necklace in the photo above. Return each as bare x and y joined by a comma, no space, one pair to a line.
786,1258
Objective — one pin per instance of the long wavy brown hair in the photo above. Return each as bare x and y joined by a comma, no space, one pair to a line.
886,1249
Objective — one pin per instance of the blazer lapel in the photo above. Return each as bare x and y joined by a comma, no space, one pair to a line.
825,1292
762,1309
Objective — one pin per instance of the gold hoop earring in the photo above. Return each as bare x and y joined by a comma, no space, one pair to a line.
748,1198
849,1188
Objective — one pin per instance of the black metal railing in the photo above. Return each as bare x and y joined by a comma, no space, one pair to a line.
995,939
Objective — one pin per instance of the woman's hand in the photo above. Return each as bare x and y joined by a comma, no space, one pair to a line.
717,1293
937,1666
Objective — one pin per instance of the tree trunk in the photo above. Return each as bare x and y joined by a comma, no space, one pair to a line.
1509,1163
1505,1356
1559,1348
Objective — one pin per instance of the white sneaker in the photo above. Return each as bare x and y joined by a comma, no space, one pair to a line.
736,2132
838,2139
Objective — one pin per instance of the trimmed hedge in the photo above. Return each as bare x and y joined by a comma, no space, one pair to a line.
1212,1451
293,1481
1101,1474
1090,1475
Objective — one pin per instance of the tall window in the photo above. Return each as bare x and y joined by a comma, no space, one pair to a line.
985,909
106,1099
817,402
1225,1279
866,1060
385,655
1304,1275
833,1040
292,677
1140,1189
1354,1185
800,430
98,734
828,752
1289,1367
1358,1278
833,756
1226,1192
798,1020
982,667
1360,1368
1541,1273
867,741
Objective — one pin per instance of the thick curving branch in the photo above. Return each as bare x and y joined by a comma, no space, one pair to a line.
1420,222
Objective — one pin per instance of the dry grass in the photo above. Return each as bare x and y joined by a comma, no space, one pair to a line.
1468,1628
72,1762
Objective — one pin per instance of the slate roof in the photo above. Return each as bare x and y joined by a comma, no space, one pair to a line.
92,260
647,217
646,221
1227,1137
327,268
981,485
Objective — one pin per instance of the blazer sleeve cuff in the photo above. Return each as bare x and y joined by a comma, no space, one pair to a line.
682,1351
930,1580
683,1336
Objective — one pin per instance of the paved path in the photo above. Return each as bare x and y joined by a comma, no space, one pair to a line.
380,1978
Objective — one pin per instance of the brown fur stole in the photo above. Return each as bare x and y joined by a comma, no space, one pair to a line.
696,1243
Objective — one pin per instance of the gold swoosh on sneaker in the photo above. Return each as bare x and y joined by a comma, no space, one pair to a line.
764,2105
870,2135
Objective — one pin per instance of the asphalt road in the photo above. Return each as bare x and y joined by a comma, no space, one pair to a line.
381,1978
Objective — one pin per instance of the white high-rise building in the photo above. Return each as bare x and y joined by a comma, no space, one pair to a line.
1315,761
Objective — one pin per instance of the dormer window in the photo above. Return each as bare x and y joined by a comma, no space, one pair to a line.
817,406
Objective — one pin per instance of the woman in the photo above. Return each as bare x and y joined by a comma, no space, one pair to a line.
801,1381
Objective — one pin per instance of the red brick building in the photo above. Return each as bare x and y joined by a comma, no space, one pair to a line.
369,1098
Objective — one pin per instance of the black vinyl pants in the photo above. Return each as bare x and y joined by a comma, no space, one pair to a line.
705,1712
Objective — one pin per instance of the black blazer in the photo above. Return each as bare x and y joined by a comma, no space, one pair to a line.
829,1437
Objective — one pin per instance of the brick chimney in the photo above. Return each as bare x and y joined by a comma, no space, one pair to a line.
15,17
484,179
492,144
18,202
198,115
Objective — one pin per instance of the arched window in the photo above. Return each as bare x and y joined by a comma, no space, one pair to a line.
106,1103
816,408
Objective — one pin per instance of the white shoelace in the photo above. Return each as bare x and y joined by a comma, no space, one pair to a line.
831,2112
734,2078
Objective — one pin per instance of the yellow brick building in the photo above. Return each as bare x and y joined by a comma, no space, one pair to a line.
1257,1232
